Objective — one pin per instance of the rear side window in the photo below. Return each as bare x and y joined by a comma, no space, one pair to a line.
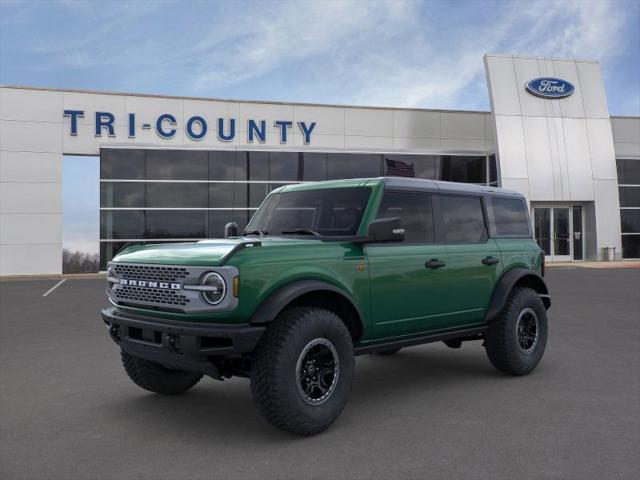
414,210
463,219
510,217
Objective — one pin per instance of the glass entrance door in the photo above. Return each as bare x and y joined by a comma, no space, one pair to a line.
558,231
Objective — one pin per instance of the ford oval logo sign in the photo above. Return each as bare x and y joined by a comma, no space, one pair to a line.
550,87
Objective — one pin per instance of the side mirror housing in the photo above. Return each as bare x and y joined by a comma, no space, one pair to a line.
385,230
231,230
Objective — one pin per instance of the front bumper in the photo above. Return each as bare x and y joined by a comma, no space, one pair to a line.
180,345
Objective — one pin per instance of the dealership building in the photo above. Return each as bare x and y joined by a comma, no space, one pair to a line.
178,168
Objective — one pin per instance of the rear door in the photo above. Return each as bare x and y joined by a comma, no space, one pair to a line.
474,261
406,295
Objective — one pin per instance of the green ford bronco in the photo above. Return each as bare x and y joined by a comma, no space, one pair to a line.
322,273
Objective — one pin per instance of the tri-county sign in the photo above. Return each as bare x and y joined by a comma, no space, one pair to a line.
550,87
196,127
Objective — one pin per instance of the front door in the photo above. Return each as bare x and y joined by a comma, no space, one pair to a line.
558,231
410,291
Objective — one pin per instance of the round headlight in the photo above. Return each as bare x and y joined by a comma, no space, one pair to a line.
216,288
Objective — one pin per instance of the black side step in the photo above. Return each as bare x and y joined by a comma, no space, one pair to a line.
466,334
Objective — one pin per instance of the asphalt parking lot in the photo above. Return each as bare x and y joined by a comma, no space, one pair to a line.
69,412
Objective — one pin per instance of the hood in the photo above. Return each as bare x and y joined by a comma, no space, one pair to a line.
202,253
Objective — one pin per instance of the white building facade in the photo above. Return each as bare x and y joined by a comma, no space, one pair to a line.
175,168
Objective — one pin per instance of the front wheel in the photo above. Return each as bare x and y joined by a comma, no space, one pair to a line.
302,370
516,339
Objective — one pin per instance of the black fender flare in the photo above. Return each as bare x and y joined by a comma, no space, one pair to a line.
282,297
505,284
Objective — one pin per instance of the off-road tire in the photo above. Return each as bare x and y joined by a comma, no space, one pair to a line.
386,353
274,375
502,342
156,378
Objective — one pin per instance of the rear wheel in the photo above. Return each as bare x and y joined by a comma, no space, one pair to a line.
516,340
156,378
302,370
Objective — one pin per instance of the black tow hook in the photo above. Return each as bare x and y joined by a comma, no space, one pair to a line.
114,331
174,344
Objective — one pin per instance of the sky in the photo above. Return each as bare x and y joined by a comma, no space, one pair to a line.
379,53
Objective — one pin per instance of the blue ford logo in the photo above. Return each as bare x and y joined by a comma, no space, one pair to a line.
550,87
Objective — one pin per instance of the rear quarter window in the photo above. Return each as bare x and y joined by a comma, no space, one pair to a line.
510,218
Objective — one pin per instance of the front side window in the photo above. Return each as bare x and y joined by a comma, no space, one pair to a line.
463,219
326,212
414,210
510,217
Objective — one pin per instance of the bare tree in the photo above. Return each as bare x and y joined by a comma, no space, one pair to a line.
79,262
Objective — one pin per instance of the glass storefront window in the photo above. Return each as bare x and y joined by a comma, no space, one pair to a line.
628,171
314,167
176,224
222,182
122,195
258,166
630,221
221,195
284,166
353,165
227,165
629,196
177,165
631,246
116,224
122,164
177,195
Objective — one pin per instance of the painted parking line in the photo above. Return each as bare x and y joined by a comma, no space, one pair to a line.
54,287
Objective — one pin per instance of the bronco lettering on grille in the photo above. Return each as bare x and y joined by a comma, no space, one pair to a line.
150,284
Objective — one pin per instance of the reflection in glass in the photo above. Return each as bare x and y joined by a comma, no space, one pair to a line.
510,217
121,224
631,246
176,224
258,166
122,195
227,165
561,240
353,165
177,165
414,210
630,221
124,164
314,166
629,196
542,219
463,219
285,166
577,232
177,195
628,171
221,195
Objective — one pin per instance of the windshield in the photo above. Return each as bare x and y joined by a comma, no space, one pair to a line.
325,212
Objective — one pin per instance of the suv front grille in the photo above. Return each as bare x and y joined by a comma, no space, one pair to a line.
153,273
132,294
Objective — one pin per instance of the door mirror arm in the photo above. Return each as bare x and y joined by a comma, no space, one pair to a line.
384,230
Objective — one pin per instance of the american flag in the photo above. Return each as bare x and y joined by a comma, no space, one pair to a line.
397,168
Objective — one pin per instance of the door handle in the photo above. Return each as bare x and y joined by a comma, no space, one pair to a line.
434,263
490,260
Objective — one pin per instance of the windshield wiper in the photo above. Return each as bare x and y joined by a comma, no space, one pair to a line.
302,231
255,232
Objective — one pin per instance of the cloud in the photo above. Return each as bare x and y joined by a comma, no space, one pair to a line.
387,52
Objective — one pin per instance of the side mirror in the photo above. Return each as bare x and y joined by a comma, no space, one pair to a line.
231,230
385,230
